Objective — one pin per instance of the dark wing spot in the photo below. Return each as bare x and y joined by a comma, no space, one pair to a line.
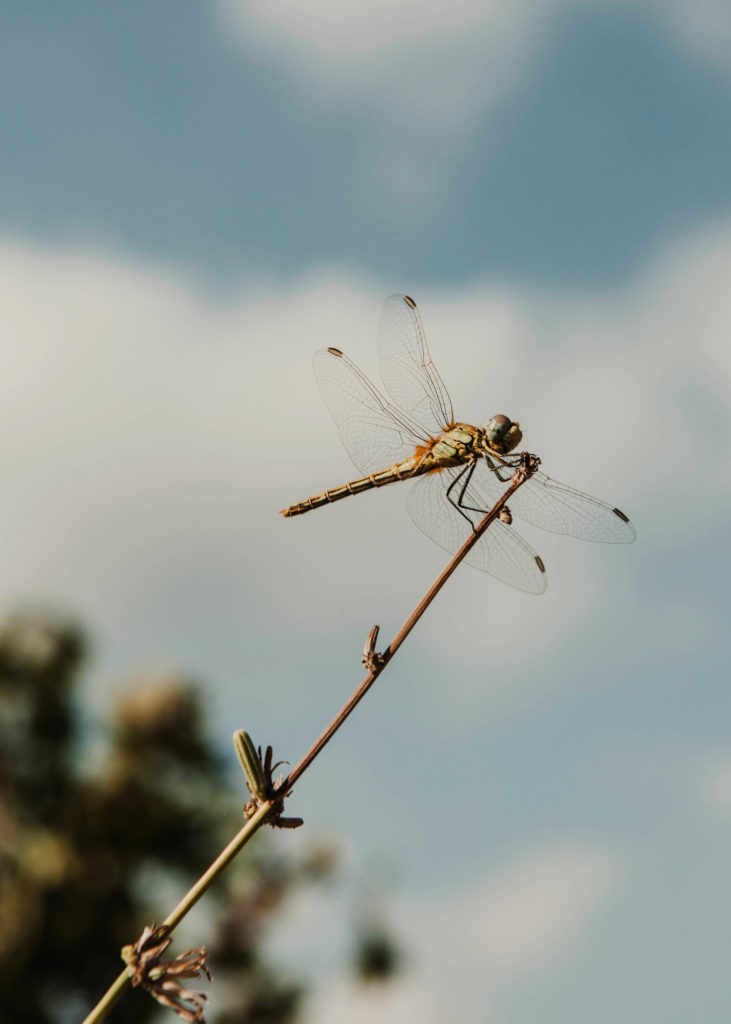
621,515
539,563
409,302
335,352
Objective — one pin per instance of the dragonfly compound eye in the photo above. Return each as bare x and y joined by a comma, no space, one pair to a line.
497,426
503,434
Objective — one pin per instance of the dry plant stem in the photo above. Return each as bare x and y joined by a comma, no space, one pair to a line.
522,474
174,918
259,818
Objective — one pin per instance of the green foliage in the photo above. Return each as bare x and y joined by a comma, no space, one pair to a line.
78,847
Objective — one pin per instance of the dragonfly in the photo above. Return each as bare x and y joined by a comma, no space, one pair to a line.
460,470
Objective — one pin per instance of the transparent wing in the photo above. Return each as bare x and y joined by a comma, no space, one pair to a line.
501,551
376,434
407,371
558,508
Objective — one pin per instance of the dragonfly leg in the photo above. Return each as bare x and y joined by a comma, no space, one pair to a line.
464,476
499,470
463,479
463,490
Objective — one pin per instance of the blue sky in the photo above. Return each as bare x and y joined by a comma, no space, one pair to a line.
195,198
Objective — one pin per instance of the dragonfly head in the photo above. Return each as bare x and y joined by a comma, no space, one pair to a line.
502,434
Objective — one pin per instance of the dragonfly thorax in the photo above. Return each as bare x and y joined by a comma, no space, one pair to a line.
461,443
502,434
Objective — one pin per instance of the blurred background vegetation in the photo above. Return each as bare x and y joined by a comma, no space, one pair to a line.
97,820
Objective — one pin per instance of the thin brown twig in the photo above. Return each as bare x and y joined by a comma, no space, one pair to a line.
376,663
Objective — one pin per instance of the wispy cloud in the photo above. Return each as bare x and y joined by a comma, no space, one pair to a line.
425,76
426,56
713,780
425,72
702,25
398,49
469,948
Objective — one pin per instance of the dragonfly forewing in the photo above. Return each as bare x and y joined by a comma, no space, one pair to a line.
407,371
376,434
501,551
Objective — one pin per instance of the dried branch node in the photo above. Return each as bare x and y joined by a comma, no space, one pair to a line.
146,967
526,467
371,659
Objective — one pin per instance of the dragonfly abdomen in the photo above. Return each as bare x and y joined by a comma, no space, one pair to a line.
401,471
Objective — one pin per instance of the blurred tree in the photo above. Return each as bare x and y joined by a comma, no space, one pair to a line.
78,848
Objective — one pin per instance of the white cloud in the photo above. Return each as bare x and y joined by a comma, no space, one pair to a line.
421,54
469,948
373,47
150,430
417,66
714,779
702,25
528,915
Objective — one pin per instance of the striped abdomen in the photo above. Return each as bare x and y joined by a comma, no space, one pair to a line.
403,470
459,444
